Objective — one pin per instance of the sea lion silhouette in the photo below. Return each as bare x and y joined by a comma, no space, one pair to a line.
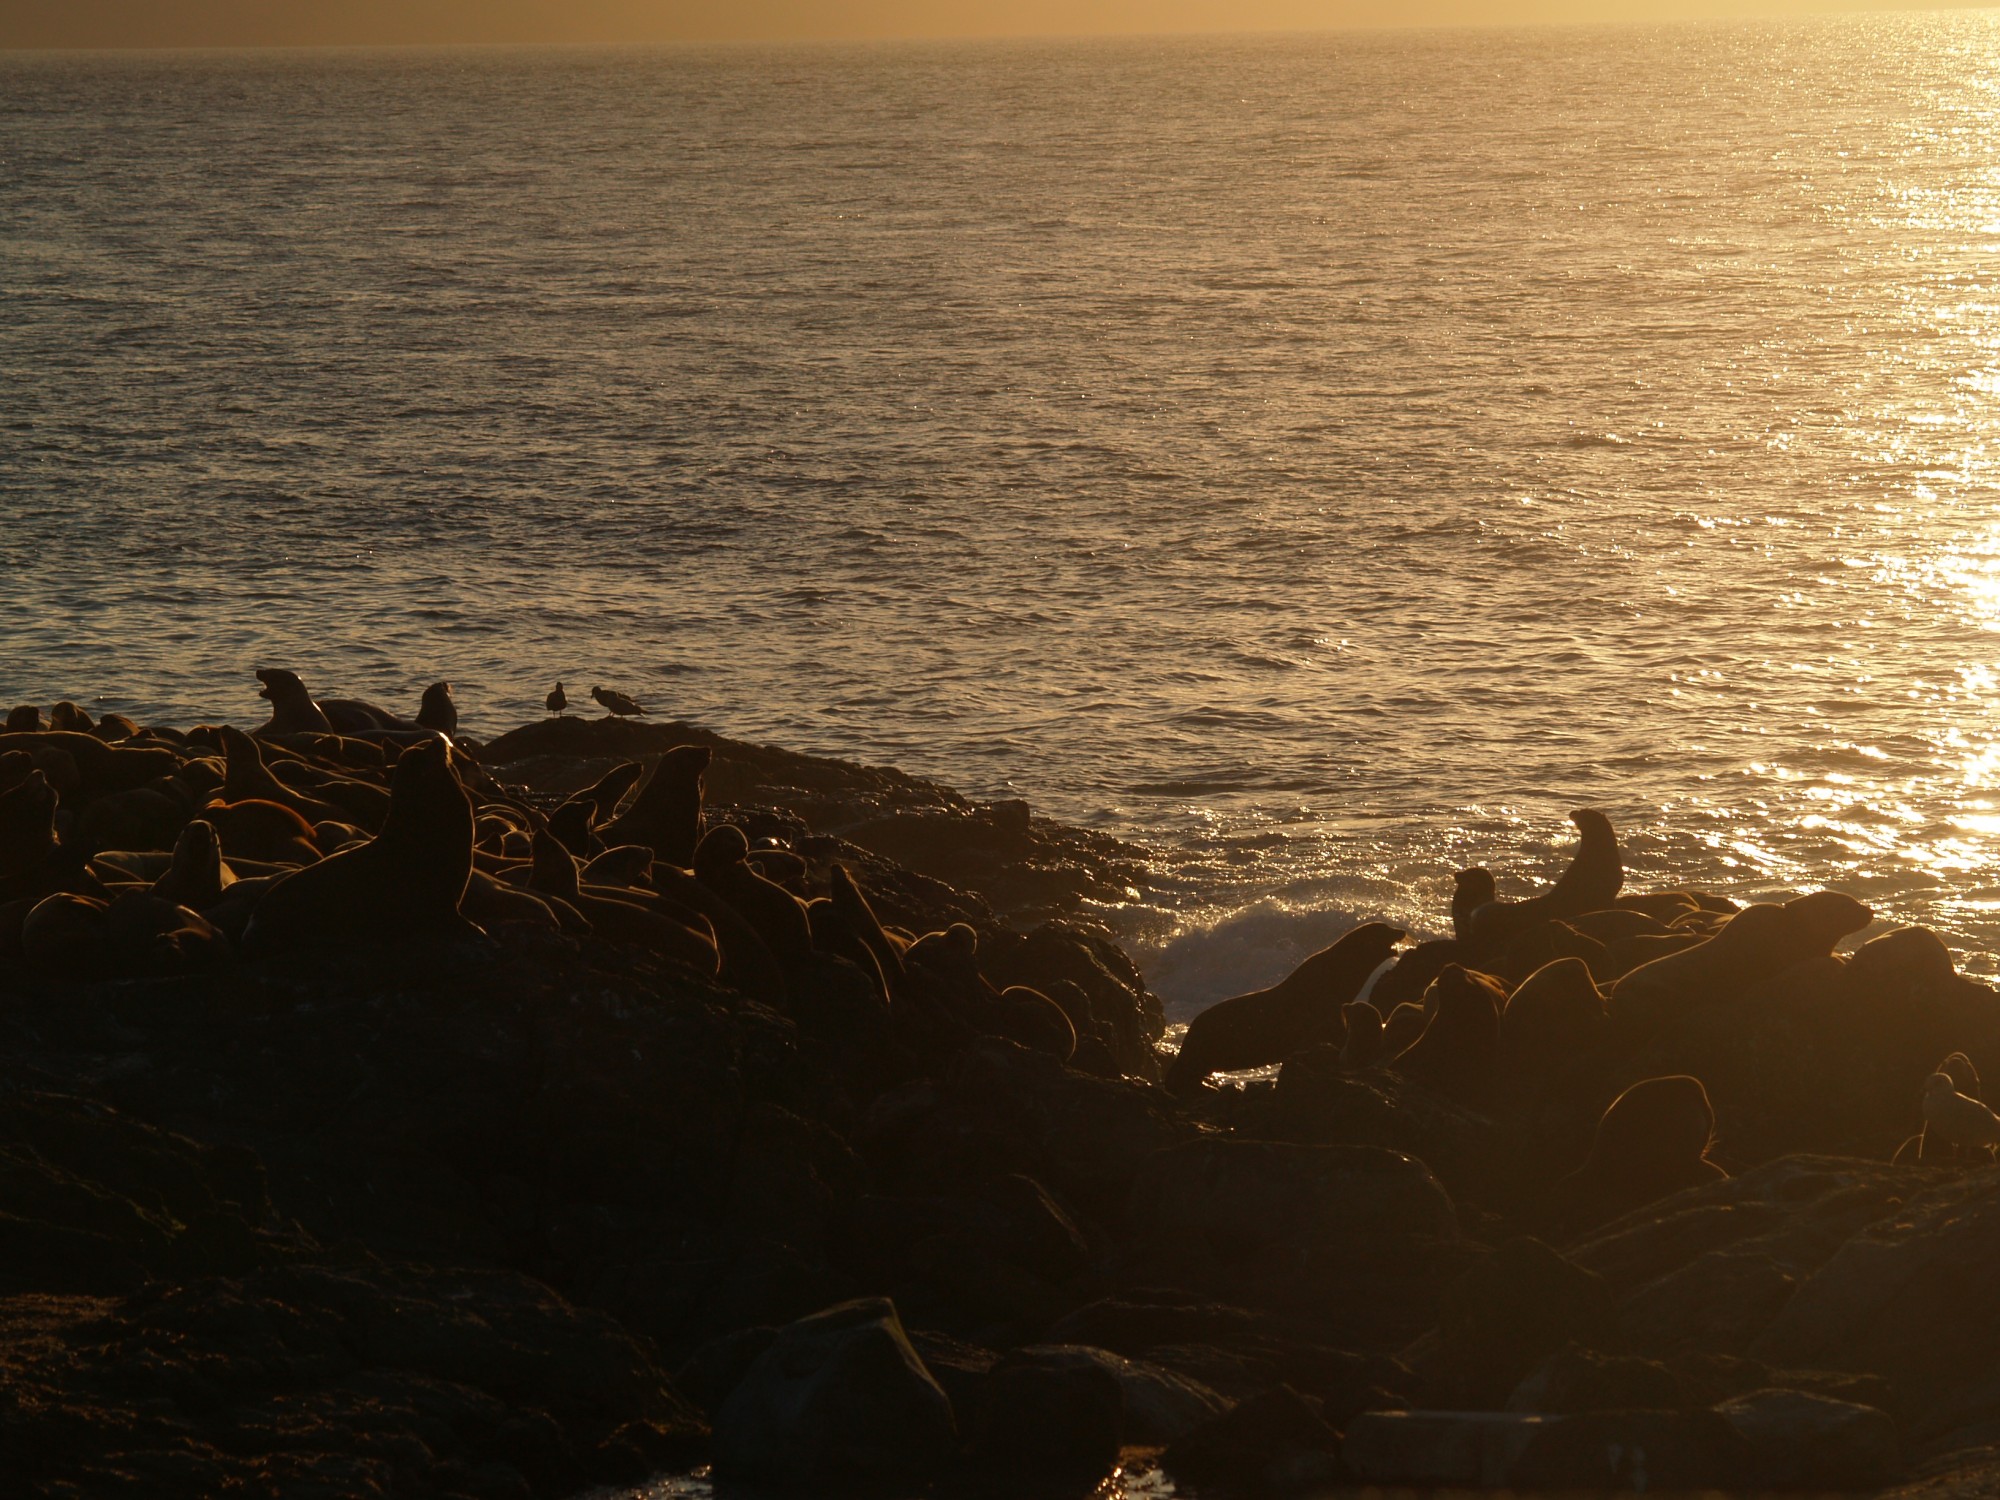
666,814
1592,881
404,884
1267,1026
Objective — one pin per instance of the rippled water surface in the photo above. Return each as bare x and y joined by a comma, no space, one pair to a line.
1324,459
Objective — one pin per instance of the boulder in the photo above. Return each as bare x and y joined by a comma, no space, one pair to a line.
840,1398
1800,1441
1054,1422
1277,1442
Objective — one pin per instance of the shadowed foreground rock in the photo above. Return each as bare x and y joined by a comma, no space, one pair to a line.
837,1156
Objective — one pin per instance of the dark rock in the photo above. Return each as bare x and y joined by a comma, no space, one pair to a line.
839,1398
1634,1451
1351,1240
1509,1311
1275,1443
1584,1380
1805,1442
1158,1405
1052,1420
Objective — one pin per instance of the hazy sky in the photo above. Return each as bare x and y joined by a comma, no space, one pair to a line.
211,23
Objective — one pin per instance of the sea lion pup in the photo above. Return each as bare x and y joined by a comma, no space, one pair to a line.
25,718
437,711
666,814
1652,1141
1456,1054
617,704
1267,1026
1756,944
1471,889
556,701
197,877
1555,1014
1952,1119
404,884
1590,883
1363,1047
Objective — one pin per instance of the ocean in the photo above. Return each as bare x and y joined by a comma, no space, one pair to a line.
1322,459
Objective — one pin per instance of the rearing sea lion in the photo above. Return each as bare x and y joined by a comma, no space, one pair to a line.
403,884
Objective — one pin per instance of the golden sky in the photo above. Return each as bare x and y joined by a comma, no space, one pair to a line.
213,23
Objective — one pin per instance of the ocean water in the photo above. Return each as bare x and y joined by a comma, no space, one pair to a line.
1323,459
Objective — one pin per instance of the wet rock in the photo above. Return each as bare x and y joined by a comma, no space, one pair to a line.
1158,1406
1802,1441
840,1398
1275,1443
1050,1420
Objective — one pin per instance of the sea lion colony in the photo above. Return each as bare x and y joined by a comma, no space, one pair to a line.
749,1143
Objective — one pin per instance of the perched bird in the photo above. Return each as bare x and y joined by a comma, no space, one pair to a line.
1955,1119
557,701
616,703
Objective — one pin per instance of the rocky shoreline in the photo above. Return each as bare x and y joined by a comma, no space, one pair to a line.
544,1201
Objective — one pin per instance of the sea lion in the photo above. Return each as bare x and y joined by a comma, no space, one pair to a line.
293,710
570,824
404,884
437,710
67,718
266,831
24,718
628,864
1035,1021
27,826
1405,980
1653,1140
666,813
114,727
1615,923
1471,889
197,877
851,908
247,779
1402,1026
1661,906
720,863
1590,883
1363,1045
603,795
1555,1014
556,701
1952,1119
617,704
1456,1054
1267,1026
1756,944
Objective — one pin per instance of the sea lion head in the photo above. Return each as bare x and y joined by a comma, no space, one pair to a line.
281,686
1656,1120
427,803
1963,1075
24,719
722,846
438,711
